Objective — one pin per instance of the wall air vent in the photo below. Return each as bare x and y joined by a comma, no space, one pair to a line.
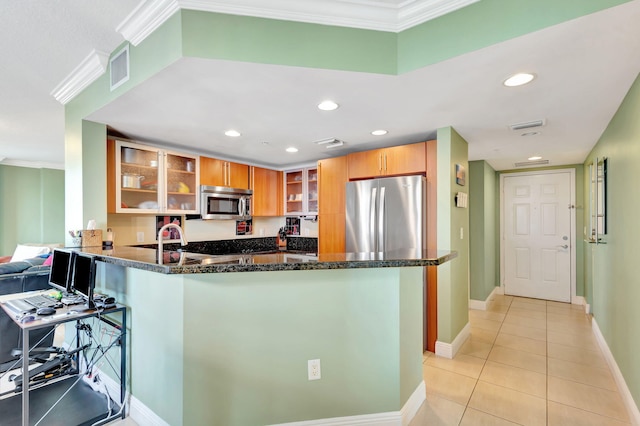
532,163
119,68
528,125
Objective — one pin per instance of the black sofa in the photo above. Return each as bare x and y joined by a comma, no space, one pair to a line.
17,277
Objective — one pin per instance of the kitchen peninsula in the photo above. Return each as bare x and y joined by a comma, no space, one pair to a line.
232,348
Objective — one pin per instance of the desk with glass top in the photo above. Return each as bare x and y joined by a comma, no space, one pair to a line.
80,410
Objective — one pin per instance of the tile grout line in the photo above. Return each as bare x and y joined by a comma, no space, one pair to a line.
466,407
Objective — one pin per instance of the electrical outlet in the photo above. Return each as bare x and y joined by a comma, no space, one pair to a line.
313,366
461,233
140,236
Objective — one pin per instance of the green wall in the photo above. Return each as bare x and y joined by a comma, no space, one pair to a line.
232,348
483,230
453,276
31,207
612,288
216,36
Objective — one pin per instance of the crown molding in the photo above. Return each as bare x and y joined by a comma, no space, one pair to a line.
420,12
145,19
32,164
362,14
92,67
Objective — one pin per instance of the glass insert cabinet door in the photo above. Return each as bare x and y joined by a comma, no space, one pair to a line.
152,180
301,191
598,200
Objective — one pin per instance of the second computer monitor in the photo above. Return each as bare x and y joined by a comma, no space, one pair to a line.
84,276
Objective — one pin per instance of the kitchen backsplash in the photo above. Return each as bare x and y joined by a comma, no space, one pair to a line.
129,229
243,245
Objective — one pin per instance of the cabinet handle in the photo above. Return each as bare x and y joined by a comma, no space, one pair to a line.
385,162
380,162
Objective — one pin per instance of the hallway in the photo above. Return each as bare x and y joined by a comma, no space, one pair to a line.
527,362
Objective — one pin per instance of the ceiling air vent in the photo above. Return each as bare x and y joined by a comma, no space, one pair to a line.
330,143
532,163
119,68
528,125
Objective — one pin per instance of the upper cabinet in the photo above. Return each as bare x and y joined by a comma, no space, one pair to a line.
145,179
217,172
301,192
396,160
267,191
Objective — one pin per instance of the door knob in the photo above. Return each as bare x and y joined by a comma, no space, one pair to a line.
564,246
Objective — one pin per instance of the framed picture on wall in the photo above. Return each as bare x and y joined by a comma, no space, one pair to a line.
171,233
460,174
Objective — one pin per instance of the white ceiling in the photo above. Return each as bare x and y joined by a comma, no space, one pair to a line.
585,67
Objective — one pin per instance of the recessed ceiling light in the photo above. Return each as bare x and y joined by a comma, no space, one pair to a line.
379,132
530,134
232,133
534,158
292,149
327,105
519,79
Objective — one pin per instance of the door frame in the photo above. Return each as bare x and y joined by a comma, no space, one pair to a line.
572,236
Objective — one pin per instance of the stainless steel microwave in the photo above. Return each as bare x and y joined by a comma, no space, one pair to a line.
221,202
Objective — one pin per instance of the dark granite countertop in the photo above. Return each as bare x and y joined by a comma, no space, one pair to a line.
177,262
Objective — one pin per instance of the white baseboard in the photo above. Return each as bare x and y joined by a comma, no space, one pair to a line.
483,305
449,350
391,418
411,407
578,300
143,416
587,308
500,290
136,410
632,408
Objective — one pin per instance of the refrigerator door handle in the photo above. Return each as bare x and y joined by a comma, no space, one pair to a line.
372,218
381,236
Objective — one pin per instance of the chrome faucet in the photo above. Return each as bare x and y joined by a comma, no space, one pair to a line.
183,240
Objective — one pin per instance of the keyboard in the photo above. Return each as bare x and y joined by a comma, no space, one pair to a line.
19,306
40,301
30,304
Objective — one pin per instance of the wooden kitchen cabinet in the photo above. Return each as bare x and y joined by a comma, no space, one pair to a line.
392,161
218,172
146,179
267,191
301,192
332,179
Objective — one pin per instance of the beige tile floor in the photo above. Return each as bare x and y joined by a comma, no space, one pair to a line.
527,362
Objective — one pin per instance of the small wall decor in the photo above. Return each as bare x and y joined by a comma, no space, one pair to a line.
460,174
292,226
171,233
244,227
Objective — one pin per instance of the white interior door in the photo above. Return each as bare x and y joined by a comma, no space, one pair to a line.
537,235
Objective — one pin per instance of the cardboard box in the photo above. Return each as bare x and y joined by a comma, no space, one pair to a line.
92,238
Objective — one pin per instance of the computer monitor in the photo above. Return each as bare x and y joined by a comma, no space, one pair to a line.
83,278
60,272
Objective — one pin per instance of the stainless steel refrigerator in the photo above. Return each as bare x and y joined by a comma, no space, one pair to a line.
386,214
